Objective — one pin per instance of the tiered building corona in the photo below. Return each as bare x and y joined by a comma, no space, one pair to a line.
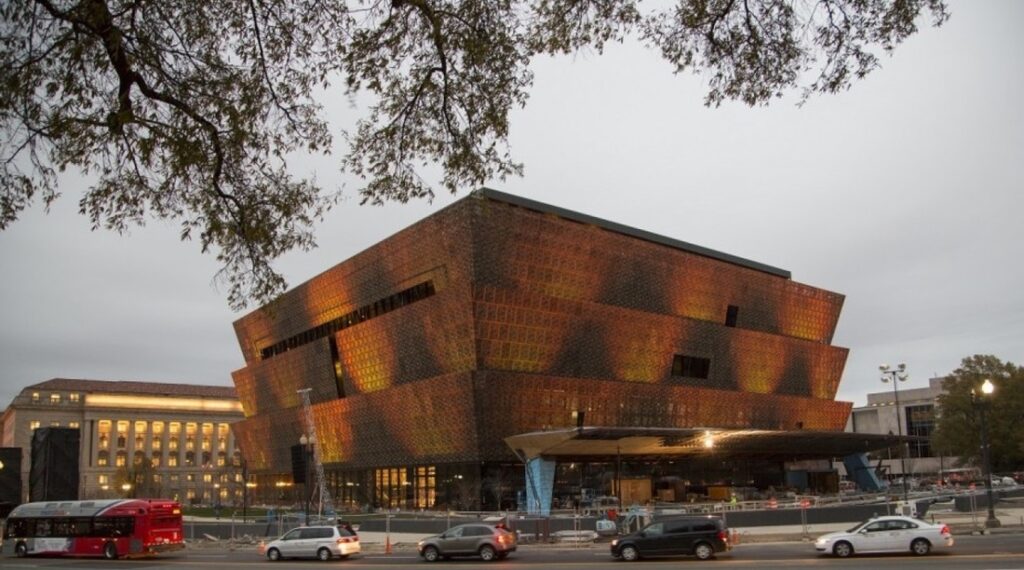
498,316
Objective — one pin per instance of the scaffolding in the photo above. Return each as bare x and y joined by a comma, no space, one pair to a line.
323,495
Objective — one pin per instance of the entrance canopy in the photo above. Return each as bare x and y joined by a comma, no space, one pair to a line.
597,443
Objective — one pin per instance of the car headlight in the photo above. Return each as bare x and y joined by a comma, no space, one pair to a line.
821,541
615,542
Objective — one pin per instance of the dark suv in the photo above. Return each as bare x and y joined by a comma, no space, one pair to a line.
485,541
699,536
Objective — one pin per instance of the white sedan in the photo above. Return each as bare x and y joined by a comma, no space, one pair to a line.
887,534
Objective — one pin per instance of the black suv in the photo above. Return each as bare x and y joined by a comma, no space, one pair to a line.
699,536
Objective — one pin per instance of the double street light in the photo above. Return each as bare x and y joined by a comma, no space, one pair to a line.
980,403
307,443
896,376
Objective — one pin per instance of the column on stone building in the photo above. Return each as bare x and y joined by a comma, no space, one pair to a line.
130,445
163,447
94,442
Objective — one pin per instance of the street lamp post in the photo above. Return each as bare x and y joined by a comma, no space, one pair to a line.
245,489
981,402
896,376
307,452
248,485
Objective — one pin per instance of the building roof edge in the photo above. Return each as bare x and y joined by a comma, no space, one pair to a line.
529,204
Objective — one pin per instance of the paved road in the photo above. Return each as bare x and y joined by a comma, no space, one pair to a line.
981,552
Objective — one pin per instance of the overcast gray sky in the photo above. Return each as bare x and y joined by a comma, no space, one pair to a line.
904,194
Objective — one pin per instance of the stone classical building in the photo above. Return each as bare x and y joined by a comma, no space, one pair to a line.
500,316
172,440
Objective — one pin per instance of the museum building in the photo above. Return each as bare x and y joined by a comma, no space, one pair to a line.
497,317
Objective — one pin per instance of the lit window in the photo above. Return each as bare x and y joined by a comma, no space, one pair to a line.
54,398
103,479
122,434
158,428
35,397
120,459
73,425
104,431
55,423
34,424
73,397
103,459
207,478
172,460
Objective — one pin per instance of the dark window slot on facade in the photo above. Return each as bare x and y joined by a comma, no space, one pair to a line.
731,314
364,313
691,366
339,372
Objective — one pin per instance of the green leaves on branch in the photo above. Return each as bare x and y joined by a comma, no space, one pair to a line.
190,111
958,431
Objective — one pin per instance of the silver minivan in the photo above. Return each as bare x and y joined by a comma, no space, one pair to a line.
322,542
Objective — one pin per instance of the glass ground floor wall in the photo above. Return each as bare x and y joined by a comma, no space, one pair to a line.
493,486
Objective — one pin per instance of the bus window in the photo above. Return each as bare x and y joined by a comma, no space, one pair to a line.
61,527
16,527
114,526
81,527
42,528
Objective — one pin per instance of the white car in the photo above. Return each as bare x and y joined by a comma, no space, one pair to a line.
887,534
322,542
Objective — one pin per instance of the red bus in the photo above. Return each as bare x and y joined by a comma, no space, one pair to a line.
107,528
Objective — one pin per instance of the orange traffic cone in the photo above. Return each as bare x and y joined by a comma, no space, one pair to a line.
387,544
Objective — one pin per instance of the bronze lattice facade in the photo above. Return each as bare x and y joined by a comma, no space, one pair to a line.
498,316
